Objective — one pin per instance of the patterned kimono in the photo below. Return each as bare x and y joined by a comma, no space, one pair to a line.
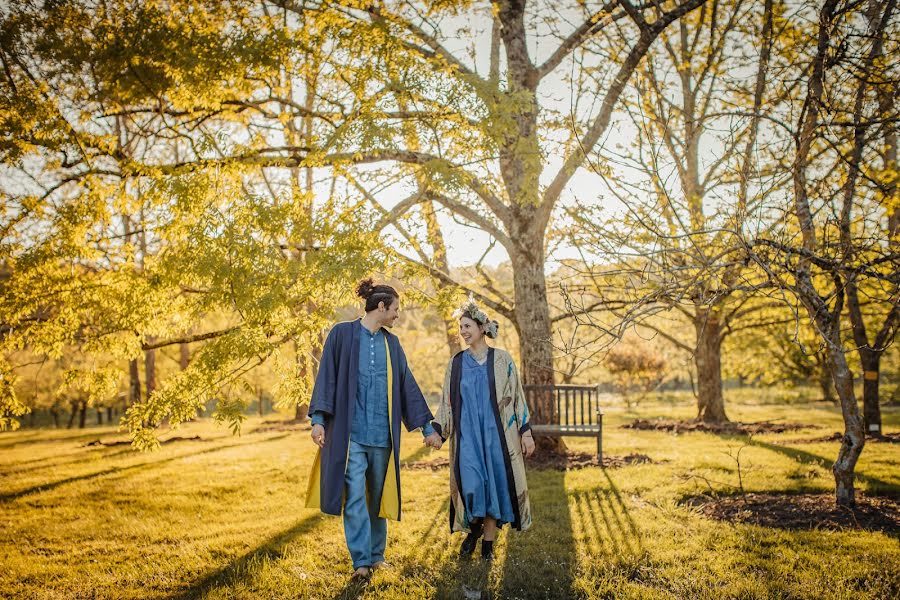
511,414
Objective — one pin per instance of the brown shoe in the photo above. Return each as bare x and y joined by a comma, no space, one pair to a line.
361,573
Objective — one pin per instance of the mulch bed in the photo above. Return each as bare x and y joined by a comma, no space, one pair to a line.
579,460
276,425
803,511
99,442
549,461
730,427
423,465
887,438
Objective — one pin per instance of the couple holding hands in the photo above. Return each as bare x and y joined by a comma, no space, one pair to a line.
365,388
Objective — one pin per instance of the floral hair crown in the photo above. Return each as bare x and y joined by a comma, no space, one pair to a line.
471,310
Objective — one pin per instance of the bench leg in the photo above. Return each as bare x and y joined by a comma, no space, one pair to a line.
600,440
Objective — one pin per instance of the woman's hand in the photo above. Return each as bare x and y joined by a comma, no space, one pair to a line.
527,444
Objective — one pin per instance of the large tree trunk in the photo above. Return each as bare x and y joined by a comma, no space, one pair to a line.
533,320
150,370
73,411
82,414
134,386
708,361
307,368
533,327
184,356
184,361
520,169
436,239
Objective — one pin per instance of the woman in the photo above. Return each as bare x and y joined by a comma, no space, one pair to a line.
483,414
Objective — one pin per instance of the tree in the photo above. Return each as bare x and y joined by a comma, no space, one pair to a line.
834,236
683,184
635,367
226,239
483,133
878,80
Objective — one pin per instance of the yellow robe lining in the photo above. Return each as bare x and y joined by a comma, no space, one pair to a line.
390,495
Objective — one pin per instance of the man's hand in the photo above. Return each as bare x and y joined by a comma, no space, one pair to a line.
318,435
527,444
434,440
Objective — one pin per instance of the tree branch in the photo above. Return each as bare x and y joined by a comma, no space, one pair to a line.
586,144
189,339
583,33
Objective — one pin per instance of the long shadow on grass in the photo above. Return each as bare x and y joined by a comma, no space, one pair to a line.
44,487
541,563
876,486
64,438
421,559
605,521
272,549
353,589
4,441
431,542
433,559
89,455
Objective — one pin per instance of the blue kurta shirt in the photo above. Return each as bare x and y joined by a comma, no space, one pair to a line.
371,426
370,418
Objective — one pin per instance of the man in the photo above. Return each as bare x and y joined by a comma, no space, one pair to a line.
363,389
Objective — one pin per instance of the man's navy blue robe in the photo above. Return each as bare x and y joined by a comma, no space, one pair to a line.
335,395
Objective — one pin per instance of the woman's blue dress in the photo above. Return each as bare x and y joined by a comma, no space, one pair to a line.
482,467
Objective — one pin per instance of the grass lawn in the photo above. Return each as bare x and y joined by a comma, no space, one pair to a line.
223,517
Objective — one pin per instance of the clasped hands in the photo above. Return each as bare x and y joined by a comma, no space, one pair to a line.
318,436
527,440
434,440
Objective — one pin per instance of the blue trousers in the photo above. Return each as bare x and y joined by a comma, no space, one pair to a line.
365,531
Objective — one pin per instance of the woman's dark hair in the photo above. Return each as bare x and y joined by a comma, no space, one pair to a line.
373,294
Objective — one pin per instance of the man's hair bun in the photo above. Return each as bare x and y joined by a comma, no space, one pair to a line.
374,294
365,288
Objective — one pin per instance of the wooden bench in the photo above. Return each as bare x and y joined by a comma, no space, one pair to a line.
575,411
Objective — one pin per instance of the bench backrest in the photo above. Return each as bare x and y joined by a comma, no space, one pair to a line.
569,404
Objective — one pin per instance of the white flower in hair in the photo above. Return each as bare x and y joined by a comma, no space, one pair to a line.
491,328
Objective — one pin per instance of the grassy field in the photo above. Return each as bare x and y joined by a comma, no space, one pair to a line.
223,517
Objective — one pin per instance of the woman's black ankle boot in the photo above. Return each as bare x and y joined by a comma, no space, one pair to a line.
487,550
468,545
